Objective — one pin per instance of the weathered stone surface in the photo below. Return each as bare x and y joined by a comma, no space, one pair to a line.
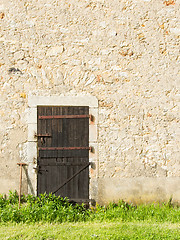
54,51
139,190
124,53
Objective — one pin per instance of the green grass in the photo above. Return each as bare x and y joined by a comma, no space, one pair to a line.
51,217
93,230
50,208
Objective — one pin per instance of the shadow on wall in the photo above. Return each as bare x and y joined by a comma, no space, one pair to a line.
29,183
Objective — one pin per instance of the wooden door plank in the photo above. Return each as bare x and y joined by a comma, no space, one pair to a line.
54,127
78,133
71,139
48,141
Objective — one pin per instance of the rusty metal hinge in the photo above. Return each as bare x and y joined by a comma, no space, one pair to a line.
43,135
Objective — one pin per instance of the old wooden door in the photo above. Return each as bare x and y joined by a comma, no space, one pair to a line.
63,151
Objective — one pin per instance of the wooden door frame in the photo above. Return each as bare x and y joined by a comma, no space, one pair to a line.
81,100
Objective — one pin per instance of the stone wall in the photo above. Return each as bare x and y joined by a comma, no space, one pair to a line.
123,52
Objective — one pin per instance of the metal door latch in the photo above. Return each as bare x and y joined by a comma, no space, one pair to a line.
38,169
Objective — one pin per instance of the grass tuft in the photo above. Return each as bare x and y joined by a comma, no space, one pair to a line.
50,208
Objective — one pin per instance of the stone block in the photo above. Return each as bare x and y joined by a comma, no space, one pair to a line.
81,100
55,51
92,133
32,115
175,31
32,132
31,152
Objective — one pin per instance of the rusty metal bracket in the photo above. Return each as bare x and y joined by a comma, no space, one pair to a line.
38,169
43,135
67,116
91,117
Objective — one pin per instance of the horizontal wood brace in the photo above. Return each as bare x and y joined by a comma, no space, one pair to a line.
65,116
64,148
62,164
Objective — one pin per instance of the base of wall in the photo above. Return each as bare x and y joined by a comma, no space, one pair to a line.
139,190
